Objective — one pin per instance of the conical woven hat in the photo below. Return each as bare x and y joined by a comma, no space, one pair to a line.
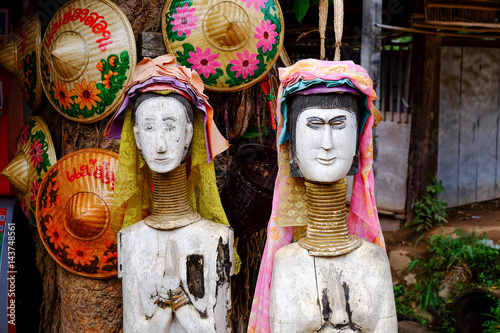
73,212
21,57
28,69
8,56
232,44
34,156
88,55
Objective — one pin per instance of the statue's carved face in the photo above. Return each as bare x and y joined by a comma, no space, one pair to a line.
162,133
325,143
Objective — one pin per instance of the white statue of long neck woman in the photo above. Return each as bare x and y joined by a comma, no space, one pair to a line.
175,265
330,281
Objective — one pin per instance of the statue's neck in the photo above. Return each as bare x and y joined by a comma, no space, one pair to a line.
170,208
327,233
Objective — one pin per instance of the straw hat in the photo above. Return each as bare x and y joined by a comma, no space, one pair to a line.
34,156
73,212
88,55
232,44
21,57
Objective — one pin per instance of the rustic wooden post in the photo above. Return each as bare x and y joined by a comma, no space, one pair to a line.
371,53
425,115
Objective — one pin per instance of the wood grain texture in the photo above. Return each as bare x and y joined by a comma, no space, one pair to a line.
487,124
449,119
470,103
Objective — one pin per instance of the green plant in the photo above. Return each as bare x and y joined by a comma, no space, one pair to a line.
473,261
493,325
429,210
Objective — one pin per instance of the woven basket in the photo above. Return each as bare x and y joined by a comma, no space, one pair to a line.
484,11
88,57
34,156
248,193
73,213
232,44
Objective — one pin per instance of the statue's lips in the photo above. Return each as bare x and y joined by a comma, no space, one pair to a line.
326,161
162,159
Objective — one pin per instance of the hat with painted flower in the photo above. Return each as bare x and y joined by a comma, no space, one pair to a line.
33,157
73,212
88,56
232,44
21,57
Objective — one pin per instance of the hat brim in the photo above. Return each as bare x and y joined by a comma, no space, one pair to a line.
73,213
88,58
231,44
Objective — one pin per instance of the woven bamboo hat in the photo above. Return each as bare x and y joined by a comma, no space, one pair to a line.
88,55
73,212
34,156
21,56
232,44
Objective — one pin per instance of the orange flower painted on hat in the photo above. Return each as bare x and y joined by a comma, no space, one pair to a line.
99,66
56,233
80,254
112,61
107,77
61,93
86,94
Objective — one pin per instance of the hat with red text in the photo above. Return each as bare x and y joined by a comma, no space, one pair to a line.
88,56
73,212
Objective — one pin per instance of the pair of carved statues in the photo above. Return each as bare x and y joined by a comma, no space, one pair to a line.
175,265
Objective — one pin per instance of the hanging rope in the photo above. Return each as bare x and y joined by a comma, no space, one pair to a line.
323,16
338,23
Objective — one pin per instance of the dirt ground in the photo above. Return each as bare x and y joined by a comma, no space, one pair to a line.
406,244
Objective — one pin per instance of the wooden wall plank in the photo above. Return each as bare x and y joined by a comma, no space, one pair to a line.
470,103
449,120
487,128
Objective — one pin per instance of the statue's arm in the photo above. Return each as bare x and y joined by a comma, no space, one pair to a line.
140,314
219,293
387,318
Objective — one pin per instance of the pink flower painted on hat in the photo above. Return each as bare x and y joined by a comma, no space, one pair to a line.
23,137
265,35
80,254
34,190
36,153
256,3
56,233
245,65
184,20
204,61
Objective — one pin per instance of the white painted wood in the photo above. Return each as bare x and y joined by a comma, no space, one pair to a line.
299,282
146,267
449,122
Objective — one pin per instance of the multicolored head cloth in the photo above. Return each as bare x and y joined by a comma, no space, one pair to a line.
163,76
314,77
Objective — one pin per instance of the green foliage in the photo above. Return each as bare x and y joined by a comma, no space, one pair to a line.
429,210
493,325
300,8
470,257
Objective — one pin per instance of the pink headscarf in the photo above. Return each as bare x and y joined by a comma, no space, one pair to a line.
363,217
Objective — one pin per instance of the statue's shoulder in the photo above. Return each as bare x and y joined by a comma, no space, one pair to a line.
134,228
373,250
213,228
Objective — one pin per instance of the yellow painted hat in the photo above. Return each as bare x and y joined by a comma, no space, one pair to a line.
21,56
232,44
73,212
88,57
33,157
